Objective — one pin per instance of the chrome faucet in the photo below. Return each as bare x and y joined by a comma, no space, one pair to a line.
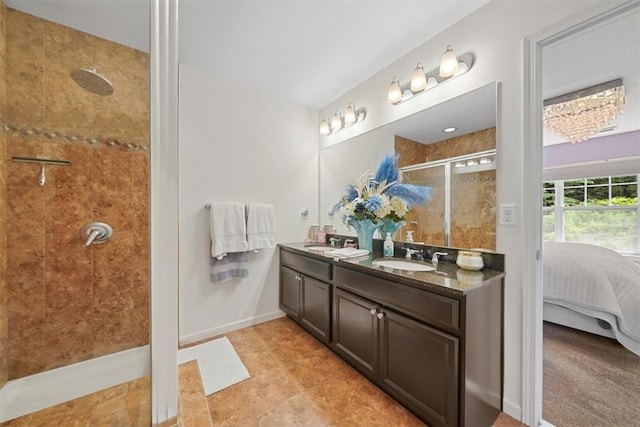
434,259
411,252
335,241
349,242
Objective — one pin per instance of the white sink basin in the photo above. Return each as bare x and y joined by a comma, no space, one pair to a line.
398,264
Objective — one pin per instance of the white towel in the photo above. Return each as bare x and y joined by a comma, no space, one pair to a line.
260,230
228,228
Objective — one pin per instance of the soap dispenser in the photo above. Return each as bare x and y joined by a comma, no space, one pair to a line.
409,238
388,246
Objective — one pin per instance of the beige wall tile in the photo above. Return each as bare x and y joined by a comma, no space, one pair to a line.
66,49
68,108
26,210
87,301
115,208
4,359
67,210
112,170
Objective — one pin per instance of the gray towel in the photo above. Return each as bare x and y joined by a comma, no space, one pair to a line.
232,266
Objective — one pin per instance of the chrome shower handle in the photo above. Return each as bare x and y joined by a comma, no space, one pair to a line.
96,232
92,237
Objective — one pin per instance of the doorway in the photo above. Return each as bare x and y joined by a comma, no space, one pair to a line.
532,202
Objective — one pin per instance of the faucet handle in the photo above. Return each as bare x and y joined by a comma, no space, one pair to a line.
335,241
434,259
410,252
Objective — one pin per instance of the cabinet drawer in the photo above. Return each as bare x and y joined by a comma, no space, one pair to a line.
426,306
303,264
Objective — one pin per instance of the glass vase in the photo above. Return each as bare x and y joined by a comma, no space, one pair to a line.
390,226
365,229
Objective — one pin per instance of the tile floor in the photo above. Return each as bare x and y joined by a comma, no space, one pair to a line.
295,380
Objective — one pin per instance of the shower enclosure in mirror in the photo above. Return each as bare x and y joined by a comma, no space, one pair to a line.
74,318
462,211
460,166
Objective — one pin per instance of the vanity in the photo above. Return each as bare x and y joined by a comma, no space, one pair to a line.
433,340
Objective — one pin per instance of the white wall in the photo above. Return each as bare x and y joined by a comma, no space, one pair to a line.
494,33
239,145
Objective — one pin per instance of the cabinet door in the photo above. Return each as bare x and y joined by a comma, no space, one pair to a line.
290,284
419,366
355,331
316,307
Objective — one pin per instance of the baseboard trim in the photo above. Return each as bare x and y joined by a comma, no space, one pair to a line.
512,409
229,327
544,423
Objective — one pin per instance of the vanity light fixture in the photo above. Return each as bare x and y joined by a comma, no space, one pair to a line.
448,63
324,127
394,95
418,79
350,115
338,121
451,66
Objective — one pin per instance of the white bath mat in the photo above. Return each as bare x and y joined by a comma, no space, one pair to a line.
220,366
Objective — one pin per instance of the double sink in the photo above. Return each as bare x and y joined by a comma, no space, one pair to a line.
393,263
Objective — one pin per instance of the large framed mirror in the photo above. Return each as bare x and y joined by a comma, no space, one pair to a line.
460,165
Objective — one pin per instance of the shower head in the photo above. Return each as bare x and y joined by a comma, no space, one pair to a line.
91,80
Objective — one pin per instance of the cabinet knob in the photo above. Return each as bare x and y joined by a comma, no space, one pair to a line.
373,311
380,315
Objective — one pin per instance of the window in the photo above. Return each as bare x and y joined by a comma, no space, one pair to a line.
601,210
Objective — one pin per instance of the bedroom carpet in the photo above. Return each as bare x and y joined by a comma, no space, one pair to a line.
589,380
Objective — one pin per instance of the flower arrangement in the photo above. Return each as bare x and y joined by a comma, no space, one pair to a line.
381,196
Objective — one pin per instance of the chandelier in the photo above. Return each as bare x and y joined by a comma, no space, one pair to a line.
577,116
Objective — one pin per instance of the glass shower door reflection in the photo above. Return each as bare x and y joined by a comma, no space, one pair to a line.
428,222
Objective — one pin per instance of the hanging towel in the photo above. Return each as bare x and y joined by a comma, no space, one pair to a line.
228,228
232,266
260,230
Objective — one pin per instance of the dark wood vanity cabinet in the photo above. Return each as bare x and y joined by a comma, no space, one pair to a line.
438,354
305,298
413,362
355,331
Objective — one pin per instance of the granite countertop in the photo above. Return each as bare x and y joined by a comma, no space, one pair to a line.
447,278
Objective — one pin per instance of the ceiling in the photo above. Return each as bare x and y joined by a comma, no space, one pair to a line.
310,52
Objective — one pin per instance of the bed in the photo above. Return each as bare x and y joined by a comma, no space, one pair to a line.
593,289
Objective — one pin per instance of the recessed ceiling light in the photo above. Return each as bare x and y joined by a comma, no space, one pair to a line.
449,130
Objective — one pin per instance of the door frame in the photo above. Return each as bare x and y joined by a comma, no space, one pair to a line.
532,195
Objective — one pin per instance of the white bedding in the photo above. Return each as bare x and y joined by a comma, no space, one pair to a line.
597,282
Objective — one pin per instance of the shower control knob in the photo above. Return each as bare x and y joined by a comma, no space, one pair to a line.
96,232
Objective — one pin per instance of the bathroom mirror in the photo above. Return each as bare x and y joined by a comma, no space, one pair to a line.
460,166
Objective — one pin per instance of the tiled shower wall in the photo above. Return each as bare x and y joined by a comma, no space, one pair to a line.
3,212
473,195
68,302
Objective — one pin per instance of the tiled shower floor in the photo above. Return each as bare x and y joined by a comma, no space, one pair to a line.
122,405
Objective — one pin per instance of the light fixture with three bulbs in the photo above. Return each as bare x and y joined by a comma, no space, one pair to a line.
450,66
340,121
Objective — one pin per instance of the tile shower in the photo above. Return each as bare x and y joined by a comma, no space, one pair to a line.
472,195
60,301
